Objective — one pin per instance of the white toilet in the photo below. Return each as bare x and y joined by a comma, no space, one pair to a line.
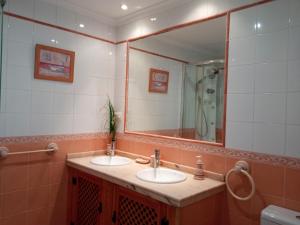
273,215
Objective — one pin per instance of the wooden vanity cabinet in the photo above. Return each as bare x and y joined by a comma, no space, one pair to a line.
93,201
132,208
85,199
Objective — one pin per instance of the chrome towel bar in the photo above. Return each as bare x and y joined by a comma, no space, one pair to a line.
51,148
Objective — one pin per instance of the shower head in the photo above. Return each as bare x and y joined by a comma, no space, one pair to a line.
2,2
210,91
213,74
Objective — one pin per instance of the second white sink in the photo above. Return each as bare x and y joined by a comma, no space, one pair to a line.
161,175
110,160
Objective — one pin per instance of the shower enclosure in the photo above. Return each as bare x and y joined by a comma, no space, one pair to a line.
202,105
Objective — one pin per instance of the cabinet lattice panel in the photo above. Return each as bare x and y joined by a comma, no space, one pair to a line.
88,201
135,213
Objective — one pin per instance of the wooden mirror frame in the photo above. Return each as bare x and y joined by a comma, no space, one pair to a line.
221,144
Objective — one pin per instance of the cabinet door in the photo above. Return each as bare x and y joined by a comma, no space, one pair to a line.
85,203
132,208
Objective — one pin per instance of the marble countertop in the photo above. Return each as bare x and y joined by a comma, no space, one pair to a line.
177,195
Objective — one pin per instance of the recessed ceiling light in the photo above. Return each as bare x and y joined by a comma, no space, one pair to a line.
124,7
257,25
54,41
81,25
153,19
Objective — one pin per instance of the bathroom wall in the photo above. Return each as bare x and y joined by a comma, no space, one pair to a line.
28,199
263,109
276,177
39,107
33,187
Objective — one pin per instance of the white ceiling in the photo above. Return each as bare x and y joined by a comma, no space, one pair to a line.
112,8
208,36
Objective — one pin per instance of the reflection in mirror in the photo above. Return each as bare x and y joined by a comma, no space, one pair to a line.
176,83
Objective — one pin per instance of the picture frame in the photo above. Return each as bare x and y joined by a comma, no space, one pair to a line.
158,81
54,64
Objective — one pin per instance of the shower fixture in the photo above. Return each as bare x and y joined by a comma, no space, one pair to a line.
2,2
210,91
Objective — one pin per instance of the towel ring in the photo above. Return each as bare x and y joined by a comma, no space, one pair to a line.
242,167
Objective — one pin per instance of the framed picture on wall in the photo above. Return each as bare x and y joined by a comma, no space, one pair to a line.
54,64
158,81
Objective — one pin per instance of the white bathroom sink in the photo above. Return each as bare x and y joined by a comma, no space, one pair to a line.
110,160
161,175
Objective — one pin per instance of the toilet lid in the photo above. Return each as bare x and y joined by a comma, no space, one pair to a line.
280,215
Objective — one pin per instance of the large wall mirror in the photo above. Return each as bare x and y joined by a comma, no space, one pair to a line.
176,83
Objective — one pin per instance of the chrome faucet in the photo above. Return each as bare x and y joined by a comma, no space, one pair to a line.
111,149
156,161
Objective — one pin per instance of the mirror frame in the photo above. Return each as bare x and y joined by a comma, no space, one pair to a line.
221,144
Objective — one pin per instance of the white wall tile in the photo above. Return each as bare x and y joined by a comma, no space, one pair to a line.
68,41
48,107
60,88
293,108
269,19
20,30
270,108
294,43
17,101
2,124
41,124
242,23
44,35
271,47
293,141
45,12
294,12
19,77
17,124
63,124
87,123
42,85
21,7
239,135
242,51
276,76
63,104
85,104
294,75
270,77
240,107
3,101
241,79
66,18
20,54
41,102
269,138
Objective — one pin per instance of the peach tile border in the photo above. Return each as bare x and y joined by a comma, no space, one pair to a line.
276,160
50,138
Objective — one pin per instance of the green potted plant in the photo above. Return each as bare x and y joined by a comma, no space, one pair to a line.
112,124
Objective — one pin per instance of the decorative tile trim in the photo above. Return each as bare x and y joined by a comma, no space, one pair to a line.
275,160
50,138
